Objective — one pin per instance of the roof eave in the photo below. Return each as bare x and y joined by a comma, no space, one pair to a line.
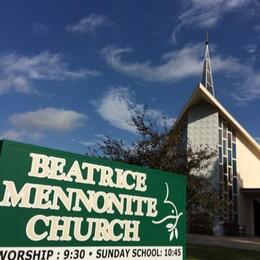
201,92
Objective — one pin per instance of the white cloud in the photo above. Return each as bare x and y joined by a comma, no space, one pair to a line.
86,143
159,117
89,24
246,78
17,135
174,65
34,124
249,88
186,62
48,119
118,106
18,72
206,13
99,138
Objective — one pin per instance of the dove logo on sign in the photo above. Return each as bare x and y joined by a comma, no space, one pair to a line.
172,218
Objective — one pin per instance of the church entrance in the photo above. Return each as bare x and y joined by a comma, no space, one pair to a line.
257,216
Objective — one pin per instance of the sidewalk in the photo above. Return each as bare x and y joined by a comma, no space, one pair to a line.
249,243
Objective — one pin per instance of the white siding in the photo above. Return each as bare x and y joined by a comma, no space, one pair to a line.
248,165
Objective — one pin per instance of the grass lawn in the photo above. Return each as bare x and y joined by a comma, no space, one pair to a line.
197,252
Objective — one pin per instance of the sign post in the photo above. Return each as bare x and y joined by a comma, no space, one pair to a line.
59,205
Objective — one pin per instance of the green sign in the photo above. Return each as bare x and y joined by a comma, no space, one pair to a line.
60,205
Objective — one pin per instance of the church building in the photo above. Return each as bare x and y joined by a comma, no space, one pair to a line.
235,170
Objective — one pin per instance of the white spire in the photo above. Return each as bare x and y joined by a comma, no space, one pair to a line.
207,80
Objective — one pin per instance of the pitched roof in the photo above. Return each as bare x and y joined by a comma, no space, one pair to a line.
202,94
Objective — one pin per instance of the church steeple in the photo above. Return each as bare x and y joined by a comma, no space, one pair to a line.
206,79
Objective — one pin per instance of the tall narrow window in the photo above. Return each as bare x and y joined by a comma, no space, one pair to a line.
224,130
229,175
235,185
234,150
224,147
229,158
234,168
229,140
220,136
225,183
225,165
220,154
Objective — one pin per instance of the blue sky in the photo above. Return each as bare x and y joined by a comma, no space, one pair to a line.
74,71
